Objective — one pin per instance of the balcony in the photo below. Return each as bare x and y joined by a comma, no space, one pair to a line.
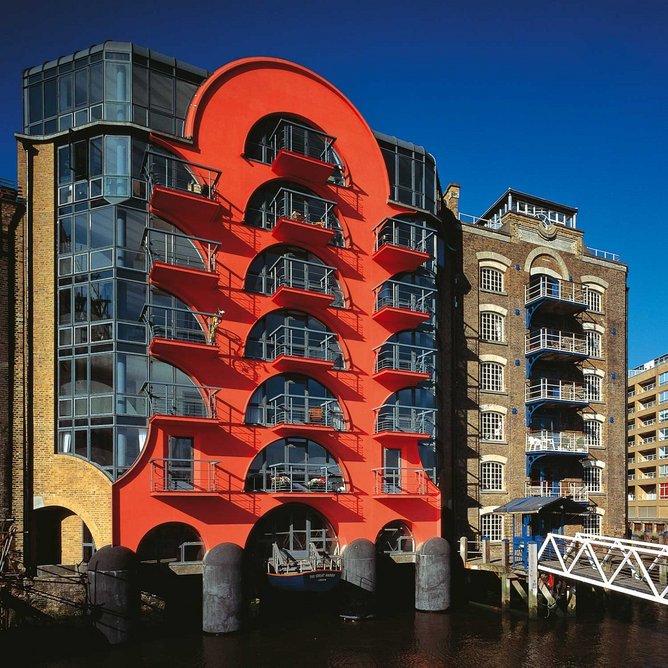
646,458
186,477
647,439
185,189
176,402
401,364
303,349
297,151
289,413
541,392
181,264
646,388
557,441
179,334
293,216
553,345
295,283
287,478
404,482
643,406
395,423
403,305
555,295
577,491
402,245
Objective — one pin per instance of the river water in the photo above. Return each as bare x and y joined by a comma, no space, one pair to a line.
634,636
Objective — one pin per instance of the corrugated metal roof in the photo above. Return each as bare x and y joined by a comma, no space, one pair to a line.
536,504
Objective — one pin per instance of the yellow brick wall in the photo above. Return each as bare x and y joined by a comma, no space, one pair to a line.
59,480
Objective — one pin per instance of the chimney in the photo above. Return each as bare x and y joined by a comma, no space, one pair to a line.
451,198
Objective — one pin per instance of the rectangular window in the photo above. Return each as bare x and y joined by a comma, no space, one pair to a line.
491,527
592,429
592,524
592,478
593,344
491,377
663,397
491,477
491,327
663,470
593,385
663,415
663,490
663,434
593,299
491,426
663,378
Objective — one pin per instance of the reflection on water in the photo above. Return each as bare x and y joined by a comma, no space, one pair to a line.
469,637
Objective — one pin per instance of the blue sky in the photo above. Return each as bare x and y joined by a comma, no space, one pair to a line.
563,99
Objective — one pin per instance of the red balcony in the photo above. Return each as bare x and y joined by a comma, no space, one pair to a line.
296,283
297,230
402,245
396,423
401,365
402,305
174,403
188,477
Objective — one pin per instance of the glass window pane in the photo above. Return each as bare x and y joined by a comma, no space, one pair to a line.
81,375
65,93
162,92
101,300
81,231
81,443
131,299
101,446
95,149
117,156
102,227
184,93
65,378
140,86
101,374
65,235
80,160
64,165
117,82
96,83
50,98
65,306
81,88
81,303
35,103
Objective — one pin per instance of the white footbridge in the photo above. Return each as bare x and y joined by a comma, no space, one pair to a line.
629,567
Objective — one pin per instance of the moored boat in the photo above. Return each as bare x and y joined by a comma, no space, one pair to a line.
316,573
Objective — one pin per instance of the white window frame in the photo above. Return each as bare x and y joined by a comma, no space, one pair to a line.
592,478
591,524
491,527
492,477
594,299
592,430
491,280
593,387
492,426
492,327
593,343
491,377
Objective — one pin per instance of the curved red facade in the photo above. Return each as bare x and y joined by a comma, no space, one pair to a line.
222,114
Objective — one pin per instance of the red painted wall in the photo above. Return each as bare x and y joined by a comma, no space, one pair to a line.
222,113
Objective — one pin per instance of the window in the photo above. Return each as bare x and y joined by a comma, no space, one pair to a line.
663,415
592,524
491,526
663,434
491,376
592,430
663,490
491,426
593,299
592,478
593,387
593,344
663,397
663,470
663,378
663,452
491,327
491,280
491,477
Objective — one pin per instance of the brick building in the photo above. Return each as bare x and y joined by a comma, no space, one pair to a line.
539,355
648,447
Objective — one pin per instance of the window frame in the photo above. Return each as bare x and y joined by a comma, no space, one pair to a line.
492,327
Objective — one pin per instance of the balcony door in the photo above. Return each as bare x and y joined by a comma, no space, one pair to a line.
391,471
180,469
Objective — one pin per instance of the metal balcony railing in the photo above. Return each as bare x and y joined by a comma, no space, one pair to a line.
577,491
544,389
396,294
555,340
644,406
647,475
296,138
304,478
649,439
393,480
300,410
647,388
187,475
179,324
181,400
556,441
406,419
177,174
405,357
298,206
179,249
647,423
553,288
405,234
305,343
303,275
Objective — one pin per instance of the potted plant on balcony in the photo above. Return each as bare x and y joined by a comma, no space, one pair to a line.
317,484
280,482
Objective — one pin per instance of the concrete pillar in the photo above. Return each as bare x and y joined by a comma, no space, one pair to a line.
505,591
505,554
464,549
432,576
222,599
113,592
485,549
359,564
532,579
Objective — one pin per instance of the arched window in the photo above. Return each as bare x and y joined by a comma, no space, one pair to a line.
292,267
593,343
594,298
592,524
167,243
491,327
295,334
591,476
294,399
172,392
491,280
592,430
295,465
170,318
491,477
491,526
593,387
409,350
491,377
285,199
412,410
277,132
491,426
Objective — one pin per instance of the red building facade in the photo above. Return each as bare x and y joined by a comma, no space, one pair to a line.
302,301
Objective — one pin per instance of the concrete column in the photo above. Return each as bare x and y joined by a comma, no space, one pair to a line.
113,592
222,599
532,579
485,549
359,564
432,576
464,549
